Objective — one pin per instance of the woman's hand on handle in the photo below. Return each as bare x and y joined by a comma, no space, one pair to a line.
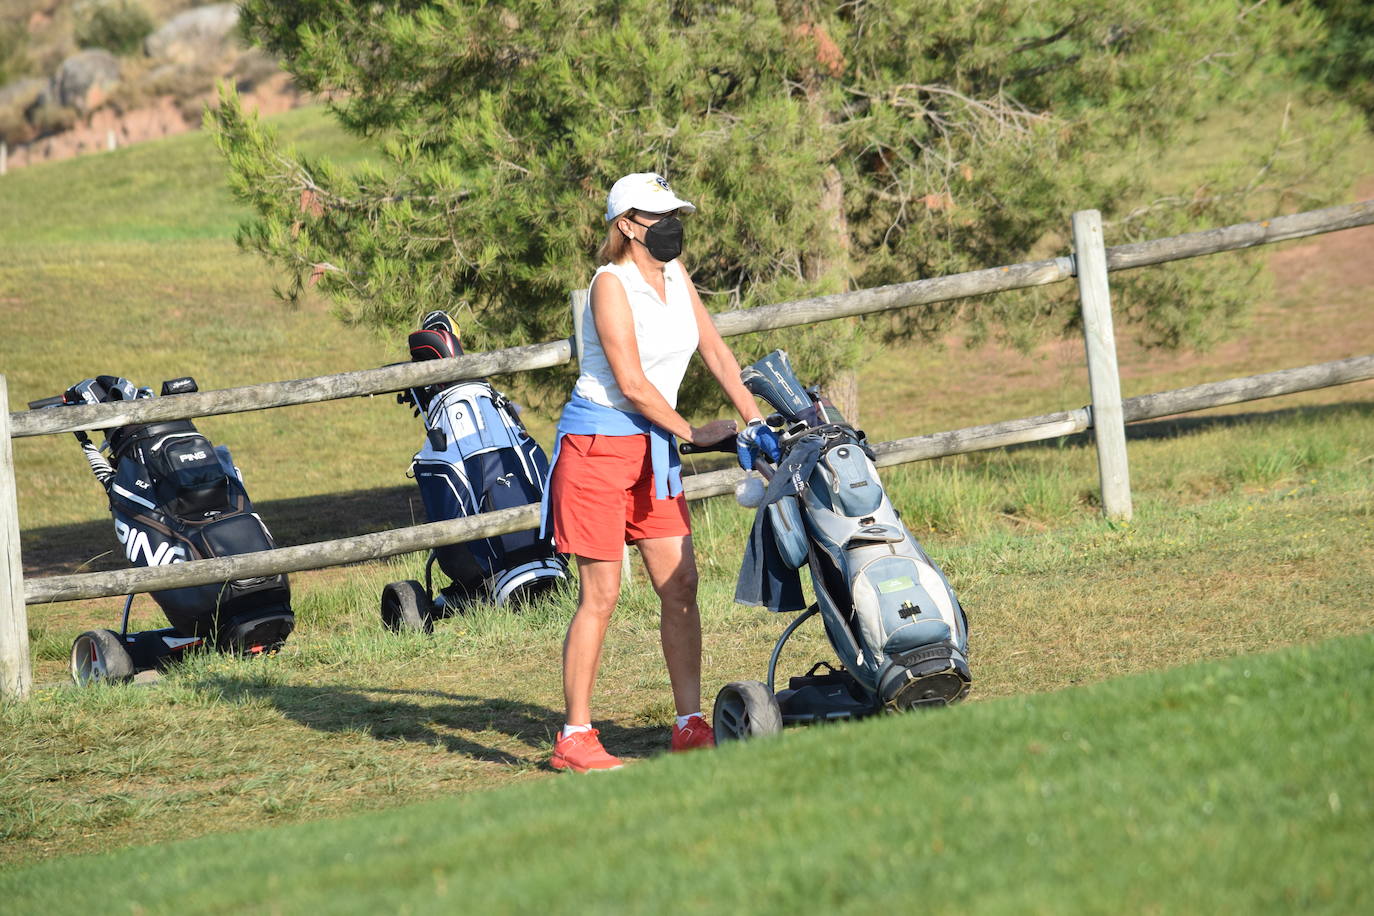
715,432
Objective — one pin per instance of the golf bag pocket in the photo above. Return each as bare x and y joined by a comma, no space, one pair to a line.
192,471
854,485
472,421
789,533
896,608
238,534
227,537
486,482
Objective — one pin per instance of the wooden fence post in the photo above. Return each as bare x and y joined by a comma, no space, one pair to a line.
1109,425
16,672
579,310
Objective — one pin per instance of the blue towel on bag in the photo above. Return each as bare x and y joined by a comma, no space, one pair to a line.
765,580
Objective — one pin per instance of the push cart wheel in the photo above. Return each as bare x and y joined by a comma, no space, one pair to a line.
99,655
406,606
744,710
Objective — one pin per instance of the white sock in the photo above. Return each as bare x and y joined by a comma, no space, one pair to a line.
682,720
570,730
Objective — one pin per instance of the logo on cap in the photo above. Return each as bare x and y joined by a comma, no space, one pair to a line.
662,183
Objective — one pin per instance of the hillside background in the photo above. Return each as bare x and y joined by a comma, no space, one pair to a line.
76,77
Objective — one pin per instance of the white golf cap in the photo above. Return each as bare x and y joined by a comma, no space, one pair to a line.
647,191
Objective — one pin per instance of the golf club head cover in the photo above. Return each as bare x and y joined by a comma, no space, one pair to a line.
433,343
100,390
438,320
772,379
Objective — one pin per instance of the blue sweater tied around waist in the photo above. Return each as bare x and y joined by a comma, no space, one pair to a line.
582,417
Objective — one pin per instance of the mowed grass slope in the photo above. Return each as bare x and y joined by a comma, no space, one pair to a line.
1231,787
348,716
1252,531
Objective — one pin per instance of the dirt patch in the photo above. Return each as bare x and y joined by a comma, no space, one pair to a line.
1296,268
108,129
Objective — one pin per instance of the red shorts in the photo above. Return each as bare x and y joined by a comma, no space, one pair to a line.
601,497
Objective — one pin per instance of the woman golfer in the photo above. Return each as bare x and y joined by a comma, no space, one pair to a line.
616,478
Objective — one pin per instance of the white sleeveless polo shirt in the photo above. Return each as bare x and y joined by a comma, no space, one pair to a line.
666,332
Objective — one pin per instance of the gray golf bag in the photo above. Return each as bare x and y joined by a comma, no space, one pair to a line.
892,619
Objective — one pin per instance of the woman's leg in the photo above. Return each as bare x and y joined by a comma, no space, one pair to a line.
598,590
672,569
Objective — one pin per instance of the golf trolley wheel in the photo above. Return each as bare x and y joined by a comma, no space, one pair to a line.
406,606
99,655
522,596
744,710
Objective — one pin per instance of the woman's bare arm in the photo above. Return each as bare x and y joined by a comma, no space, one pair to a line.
720,359
616,328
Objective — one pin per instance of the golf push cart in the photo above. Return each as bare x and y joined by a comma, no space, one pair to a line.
476,457
175,497
890,615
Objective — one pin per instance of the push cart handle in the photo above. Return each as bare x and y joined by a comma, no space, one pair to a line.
726,445
54,401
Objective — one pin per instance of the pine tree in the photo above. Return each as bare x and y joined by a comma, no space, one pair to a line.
827,147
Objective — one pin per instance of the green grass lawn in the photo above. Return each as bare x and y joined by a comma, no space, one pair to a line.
348,717
174,189
1252,532
1231,787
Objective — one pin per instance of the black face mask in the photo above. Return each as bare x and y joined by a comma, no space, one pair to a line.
663,238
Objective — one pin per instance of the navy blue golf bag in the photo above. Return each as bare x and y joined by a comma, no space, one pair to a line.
177,497
477,457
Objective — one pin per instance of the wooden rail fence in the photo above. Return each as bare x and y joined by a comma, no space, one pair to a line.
1090,263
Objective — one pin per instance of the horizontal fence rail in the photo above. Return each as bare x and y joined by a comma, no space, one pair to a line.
1241,235
280,560
770,317
362,383
1144,407
697,486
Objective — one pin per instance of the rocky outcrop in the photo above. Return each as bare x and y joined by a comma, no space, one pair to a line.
106,129
83,79
95,101
197,35
16,100
22,93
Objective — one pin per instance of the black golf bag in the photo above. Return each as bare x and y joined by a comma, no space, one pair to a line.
477,457
889,613
176,497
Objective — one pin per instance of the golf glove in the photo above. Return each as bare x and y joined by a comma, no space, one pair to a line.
757,436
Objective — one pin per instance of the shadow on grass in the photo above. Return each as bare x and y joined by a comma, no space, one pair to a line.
91,546
433,718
